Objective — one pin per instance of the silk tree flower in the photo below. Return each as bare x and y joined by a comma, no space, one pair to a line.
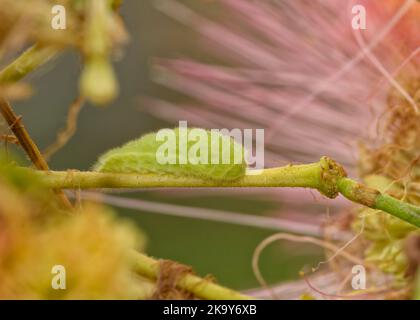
90,243
318,87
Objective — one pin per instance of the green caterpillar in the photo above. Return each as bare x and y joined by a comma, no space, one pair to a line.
187,152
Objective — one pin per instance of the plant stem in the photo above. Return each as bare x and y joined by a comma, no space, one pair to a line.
28,145
98,82
28,61
326,176
314,175
372,198
201,288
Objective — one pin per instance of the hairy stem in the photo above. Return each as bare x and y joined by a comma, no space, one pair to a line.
201,288
326,176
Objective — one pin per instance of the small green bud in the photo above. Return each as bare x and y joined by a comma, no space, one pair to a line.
98,83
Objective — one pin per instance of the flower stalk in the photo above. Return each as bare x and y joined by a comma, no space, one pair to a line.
98,82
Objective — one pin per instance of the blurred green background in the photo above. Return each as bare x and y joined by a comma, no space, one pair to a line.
219,249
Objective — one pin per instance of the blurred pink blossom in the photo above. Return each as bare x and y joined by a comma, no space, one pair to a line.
295,68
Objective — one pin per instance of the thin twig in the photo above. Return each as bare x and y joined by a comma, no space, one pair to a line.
31,149
66,133
9,139
285,236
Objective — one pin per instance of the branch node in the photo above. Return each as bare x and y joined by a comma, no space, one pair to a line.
331,173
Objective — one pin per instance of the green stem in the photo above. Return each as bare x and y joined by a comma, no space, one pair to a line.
98,82
321,176
28,61
201,288
372,198
326,176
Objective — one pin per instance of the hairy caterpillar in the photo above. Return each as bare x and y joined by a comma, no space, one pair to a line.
186,152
